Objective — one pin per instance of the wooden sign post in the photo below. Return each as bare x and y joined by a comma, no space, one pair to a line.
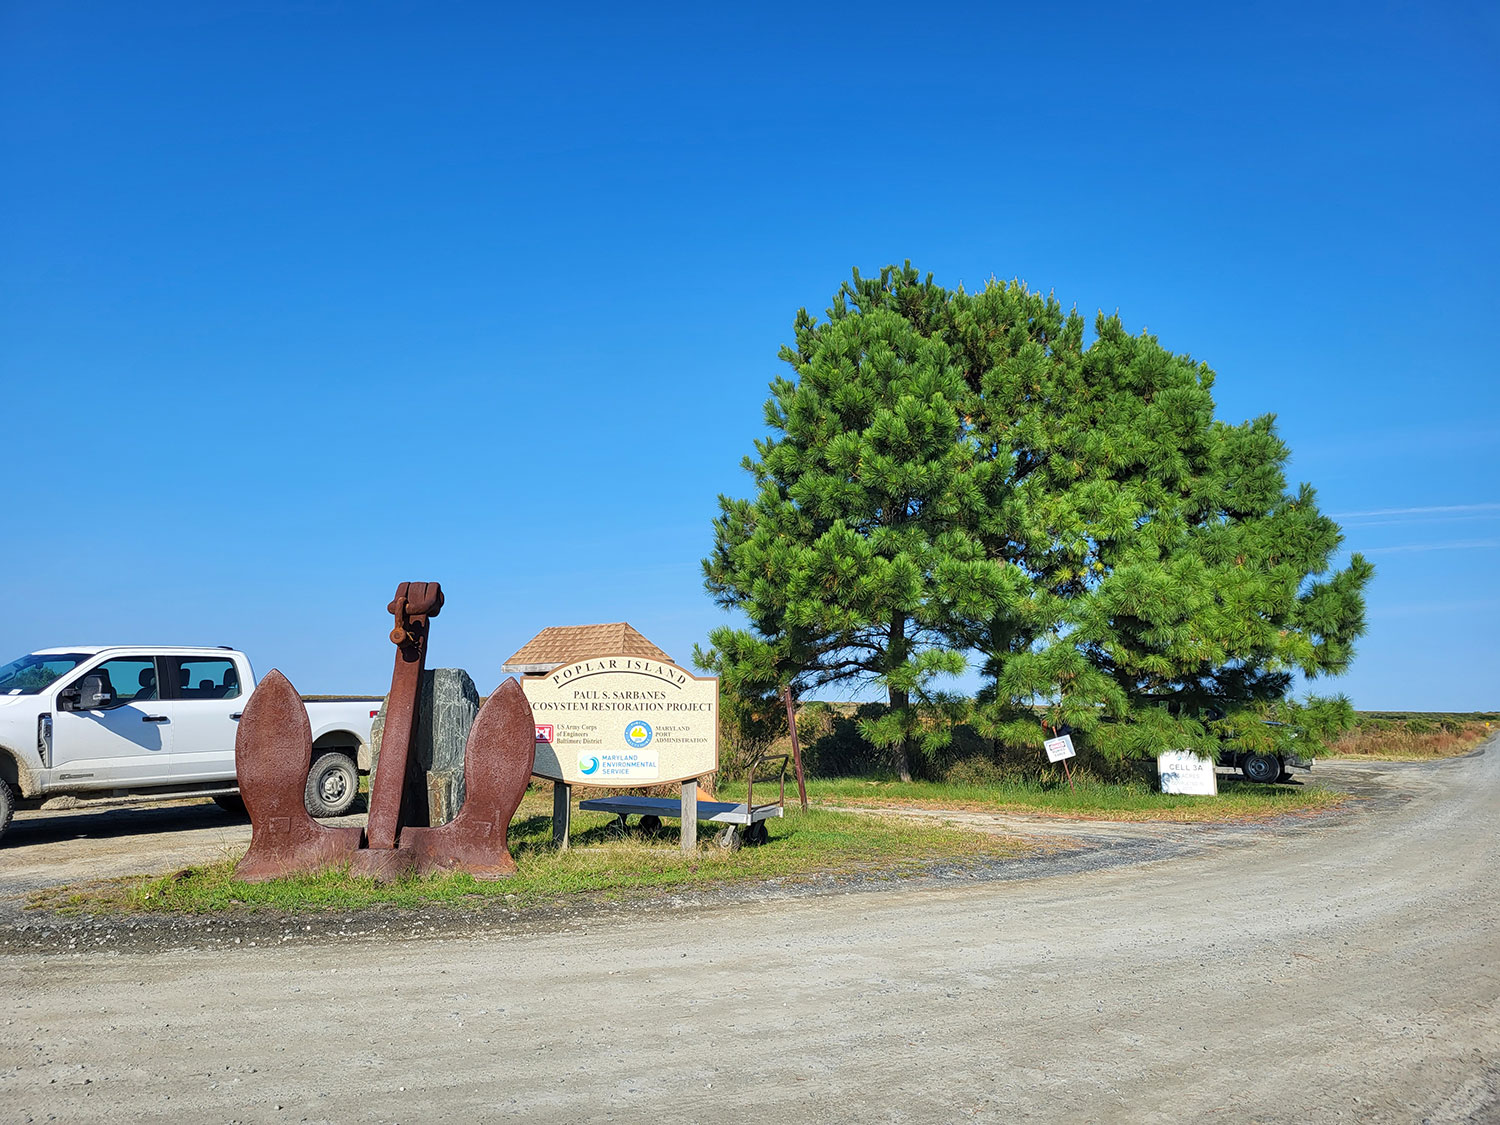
791,722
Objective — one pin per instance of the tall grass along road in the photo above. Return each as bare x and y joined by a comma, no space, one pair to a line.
1345,970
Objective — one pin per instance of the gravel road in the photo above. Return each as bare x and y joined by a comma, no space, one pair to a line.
1343,969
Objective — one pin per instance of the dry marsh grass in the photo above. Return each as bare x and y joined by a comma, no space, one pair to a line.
1408,737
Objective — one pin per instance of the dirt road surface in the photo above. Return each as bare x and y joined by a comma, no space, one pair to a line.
1343,970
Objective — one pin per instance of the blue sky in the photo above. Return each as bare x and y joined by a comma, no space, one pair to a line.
298,300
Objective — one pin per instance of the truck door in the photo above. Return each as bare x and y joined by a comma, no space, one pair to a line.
204,699
126,741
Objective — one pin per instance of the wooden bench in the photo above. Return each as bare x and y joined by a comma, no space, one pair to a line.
744,823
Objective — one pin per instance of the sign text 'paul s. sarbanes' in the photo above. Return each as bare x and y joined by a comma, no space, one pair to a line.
624,720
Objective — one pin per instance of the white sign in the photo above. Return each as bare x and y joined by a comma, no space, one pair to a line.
624,720
1060,747
1182,771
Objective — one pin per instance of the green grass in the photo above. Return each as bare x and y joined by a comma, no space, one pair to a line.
821,841
802,845
1090,798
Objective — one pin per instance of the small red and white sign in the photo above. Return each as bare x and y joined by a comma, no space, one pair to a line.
1059,748
544,732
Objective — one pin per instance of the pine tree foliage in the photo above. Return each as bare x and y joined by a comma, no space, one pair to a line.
958,472
864,543
1170,564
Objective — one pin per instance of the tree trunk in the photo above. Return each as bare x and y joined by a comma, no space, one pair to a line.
900,758
900,754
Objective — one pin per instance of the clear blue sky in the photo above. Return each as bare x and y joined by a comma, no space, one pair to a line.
301,299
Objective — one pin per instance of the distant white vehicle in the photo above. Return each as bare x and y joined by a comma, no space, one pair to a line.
140,722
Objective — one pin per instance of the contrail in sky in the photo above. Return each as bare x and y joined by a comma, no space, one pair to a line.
1430,510
1462,544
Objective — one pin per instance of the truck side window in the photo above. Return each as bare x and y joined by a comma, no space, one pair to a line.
204,678
128,679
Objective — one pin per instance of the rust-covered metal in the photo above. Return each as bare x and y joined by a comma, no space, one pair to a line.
272,754
497,766
274,751
413,607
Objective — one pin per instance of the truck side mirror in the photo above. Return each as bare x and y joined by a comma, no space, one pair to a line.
94,694
88,694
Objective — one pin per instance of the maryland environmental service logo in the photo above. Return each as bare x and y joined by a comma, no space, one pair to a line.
638,734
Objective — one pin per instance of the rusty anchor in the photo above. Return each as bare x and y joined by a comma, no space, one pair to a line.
274,736
272,754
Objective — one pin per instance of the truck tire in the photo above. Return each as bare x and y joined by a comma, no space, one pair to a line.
332,784
7,806
232,803
1264,768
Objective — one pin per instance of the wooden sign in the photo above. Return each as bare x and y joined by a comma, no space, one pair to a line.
623,721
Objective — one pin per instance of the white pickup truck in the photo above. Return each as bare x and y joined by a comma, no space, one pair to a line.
141,722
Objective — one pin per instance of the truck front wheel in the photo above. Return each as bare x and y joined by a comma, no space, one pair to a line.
332,785
1264,768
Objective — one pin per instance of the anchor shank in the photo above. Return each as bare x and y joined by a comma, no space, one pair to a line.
414,604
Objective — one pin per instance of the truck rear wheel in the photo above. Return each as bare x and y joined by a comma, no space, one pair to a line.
1262,767
232,803
7,806
332,785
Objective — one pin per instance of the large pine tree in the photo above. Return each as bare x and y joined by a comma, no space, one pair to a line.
1075,515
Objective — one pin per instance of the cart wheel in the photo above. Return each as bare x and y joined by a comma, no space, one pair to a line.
650,822
729,839
757,834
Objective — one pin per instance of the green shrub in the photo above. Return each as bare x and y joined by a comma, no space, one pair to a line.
975,771
832,745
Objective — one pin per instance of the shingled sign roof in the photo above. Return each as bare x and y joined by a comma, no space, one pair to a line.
568,644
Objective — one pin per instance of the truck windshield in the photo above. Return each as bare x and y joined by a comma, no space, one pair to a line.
31,674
